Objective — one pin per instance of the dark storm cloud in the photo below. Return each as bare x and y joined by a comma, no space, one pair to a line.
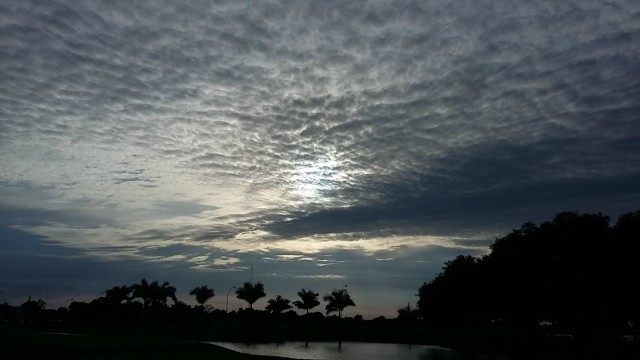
17,208
494,189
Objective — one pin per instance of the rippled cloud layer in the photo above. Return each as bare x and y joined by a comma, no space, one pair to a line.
323,141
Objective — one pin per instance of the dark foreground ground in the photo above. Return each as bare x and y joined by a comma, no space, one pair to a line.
23,342
36,345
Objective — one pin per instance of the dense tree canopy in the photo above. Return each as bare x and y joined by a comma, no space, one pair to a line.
118,294
574,271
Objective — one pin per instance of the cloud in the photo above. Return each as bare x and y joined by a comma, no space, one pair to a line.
287,130
329,276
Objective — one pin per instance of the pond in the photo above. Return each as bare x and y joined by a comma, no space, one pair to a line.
349,351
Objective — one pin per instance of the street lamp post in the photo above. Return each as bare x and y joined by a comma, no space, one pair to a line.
226,309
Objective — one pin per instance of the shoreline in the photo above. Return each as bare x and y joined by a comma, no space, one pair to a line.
19,342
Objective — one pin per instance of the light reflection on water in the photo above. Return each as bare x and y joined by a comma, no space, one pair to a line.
345,351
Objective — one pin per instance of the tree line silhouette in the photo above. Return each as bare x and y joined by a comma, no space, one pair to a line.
575,273
147,302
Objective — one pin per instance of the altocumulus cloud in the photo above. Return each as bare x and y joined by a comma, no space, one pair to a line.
325,142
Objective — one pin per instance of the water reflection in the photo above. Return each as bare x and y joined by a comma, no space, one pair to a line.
345,351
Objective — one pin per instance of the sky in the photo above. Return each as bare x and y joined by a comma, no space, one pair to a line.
323,143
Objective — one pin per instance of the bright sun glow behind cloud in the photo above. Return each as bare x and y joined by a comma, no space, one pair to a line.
313,179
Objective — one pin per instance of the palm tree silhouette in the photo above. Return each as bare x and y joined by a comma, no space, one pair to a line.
143,291
152,293
166,291
337,301
202,294
118,294
250,292
278,305
309,300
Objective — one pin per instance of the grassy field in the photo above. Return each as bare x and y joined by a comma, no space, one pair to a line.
18,342
34,345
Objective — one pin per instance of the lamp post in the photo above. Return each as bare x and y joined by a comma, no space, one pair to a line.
226,309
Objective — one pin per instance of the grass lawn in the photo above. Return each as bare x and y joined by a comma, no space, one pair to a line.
33,345
25,343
